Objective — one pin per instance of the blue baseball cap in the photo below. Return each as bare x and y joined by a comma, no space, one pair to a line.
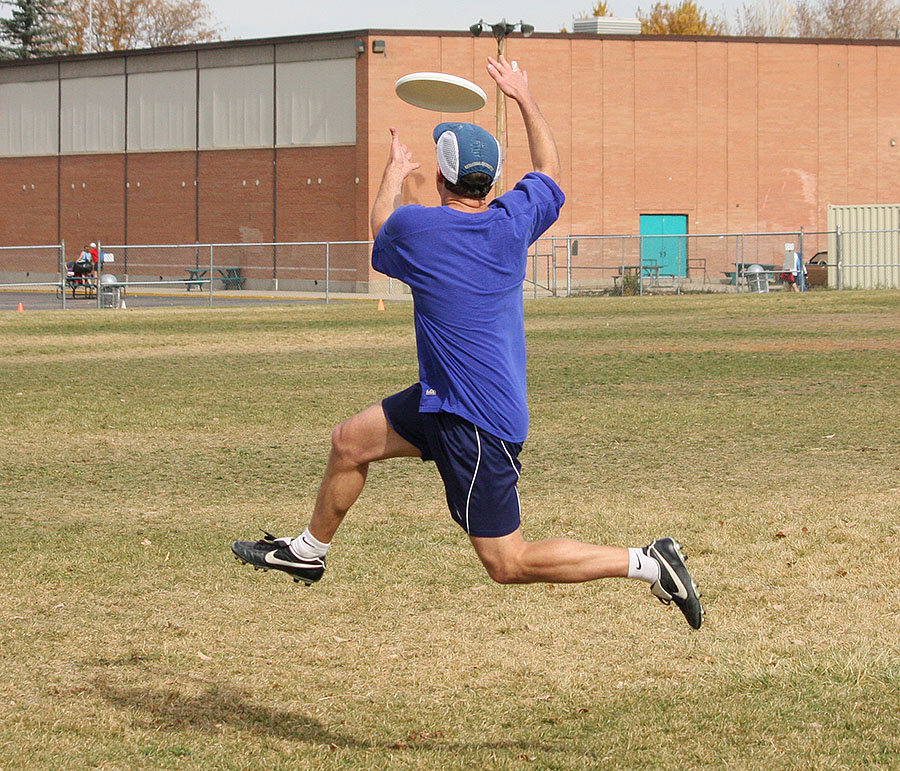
464,148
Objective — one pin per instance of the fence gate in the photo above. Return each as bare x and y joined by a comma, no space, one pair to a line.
548,255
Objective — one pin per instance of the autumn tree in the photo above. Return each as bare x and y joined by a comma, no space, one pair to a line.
33,29
115,25
686,18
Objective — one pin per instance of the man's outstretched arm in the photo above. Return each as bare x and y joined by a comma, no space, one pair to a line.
399,166
514,83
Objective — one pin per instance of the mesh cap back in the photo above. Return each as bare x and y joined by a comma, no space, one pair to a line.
464,148
448,156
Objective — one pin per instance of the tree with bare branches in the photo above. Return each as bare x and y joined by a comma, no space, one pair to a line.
115,25
858,19
847,19
766,18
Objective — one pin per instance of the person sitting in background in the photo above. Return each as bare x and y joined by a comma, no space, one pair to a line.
83,266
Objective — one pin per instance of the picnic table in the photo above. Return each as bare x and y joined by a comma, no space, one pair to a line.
230,275
649,269
84,283
742,269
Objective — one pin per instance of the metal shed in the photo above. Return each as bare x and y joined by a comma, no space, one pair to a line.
864,246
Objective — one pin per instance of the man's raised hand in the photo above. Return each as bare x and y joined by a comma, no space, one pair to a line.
512,81
401,156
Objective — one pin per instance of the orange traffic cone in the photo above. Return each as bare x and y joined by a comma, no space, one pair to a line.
380,305
21,308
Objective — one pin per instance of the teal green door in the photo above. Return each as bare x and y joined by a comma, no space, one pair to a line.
668,248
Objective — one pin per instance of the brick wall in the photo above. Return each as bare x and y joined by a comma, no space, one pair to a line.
92,200
162,198
28,201
738,135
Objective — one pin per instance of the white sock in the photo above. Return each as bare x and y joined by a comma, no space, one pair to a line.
306,546
642,567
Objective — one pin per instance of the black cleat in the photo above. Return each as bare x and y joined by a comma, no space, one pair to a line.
272,553
675,583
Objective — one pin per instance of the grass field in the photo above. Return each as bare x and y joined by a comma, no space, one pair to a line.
762,431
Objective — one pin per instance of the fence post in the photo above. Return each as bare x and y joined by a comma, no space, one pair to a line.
99,271
569,272
839,248
551,261
210,274
568,244
62,271
801,277
640,269
327,271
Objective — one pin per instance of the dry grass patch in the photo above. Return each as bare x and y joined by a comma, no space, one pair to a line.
130,639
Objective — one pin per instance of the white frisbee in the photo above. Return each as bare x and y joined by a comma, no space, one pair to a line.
439,92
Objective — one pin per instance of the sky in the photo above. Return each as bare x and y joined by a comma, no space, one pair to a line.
275,18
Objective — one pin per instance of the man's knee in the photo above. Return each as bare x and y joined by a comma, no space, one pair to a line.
504,572
367,437
502,559
345,443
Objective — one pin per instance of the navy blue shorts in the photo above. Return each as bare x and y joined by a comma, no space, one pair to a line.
479,470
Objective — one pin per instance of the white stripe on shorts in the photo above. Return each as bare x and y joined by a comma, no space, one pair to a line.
475,474
518,475
503,445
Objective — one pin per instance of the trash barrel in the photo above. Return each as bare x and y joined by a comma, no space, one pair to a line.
757,279
110,291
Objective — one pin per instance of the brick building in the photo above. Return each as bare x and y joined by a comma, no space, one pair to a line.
285,139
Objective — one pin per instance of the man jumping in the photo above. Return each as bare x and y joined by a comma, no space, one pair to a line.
465,262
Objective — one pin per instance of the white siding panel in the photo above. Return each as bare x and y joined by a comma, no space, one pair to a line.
236,107
162,110
29,118
870,252
93,114
316,102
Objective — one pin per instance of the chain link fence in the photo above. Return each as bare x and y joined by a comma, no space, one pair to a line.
557,266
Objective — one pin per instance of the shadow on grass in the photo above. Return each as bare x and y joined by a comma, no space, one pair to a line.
168,709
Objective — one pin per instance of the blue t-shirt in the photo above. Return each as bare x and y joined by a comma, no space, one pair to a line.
466,272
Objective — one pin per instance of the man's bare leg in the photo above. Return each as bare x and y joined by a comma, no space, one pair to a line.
355,443
511,559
